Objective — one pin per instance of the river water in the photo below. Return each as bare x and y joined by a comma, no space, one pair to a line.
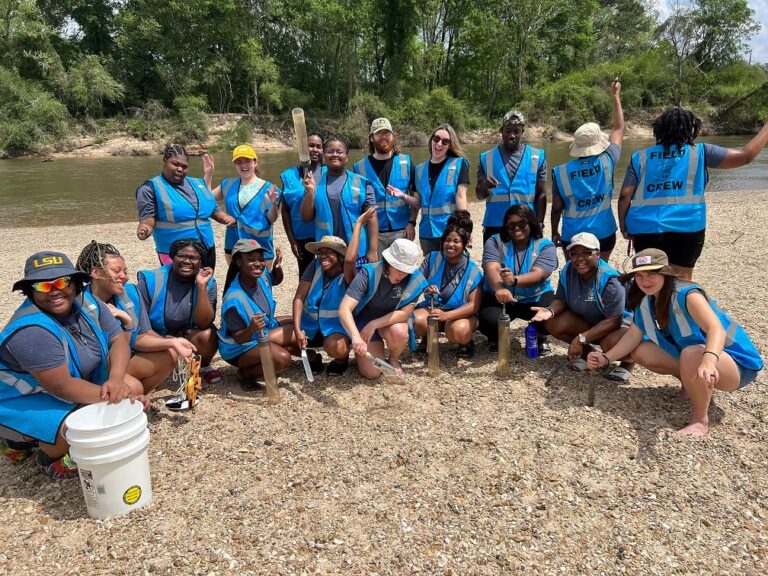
102,190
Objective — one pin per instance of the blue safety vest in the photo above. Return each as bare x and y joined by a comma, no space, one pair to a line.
470,280
157,287
600,280
177,217
670,190
352,202
237,298
293,196
251,216
14,384
683,330
321,306
507,253
586,187
413,288
393,213
438,203
520,190
130,303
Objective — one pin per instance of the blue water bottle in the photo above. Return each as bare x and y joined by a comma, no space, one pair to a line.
531,341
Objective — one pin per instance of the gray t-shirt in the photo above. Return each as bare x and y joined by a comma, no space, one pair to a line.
546,259
235,322
309,274
146,203
178,302
714,155
512,163
21,351
384,300
452,275
334,186
581,298
144,325
613,151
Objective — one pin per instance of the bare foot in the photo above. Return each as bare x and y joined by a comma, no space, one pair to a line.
699,429
398,368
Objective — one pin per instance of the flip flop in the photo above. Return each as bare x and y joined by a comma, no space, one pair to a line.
579,365
618,374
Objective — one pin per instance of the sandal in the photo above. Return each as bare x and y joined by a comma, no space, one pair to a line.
618,374
578,365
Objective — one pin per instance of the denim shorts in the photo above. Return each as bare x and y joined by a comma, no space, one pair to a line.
746,375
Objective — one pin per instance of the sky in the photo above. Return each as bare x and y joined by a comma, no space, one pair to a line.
759,42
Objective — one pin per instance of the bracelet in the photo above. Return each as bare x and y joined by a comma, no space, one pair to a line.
604,355
412,222
713,354
551,312
515,280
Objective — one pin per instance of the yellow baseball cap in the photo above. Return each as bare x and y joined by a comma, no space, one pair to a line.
244,151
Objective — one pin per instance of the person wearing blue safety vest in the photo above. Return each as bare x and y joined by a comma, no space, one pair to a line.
321,288
248,314
455,283
250,200
61,349
338,198
378,303
680,331
582,189
511,173
588,308
172,206
393,178
441,186
299,232
661,203
153,357
517,264
181,300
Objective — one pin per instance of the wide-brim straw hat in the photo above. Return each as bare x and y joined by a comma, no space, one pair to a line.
331,242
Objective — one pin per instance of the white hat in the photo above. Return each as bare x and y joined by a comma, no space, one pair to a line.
403,255
380,124
584,239
588,140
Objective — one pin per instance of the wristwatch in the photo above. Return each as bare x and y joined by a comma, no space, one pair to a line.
582,339
412,222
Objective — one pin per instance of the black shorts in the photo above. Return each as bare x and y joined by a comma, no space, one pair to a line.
682,248
606,244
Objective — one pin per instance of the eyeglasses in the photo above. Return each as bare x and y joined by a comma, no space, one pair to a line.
324,252
582,255
521,225
187,258
337,151
48,285
444,141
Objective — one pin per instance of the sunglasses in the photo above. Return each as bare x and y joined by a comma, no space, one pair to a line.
444,141
48,285
522,225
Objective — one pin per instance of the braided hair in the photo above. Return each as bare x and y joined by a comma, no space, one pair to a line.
174,150
461,223
676,126
95,255
178,245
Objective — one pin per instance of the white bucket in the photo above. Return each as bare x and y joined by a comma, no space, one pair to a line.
109,443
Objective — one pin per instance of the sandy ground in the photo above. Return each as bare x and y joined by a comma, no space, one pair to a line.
464,474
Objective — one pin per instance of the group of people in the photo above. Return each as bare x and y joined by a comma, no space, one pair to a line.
366,286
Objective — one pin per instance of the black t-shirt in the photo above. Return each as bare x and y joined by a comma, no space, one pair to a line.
383,169
436,168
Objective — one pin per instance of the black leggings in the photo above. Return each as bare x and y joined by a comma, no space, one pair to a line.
490,310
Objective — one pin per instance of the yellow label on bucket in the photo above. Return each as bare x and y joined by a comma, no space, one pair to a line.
132,495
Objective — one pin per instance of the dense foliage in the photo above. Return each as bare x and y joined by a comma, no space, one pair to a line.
154,67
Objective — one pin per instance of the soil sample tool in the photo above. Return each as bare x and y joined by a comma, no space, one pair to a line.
268,366
300,130
504,320
433,342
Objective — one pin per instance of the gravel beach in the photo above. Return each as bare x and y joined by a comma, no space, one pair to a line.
463,474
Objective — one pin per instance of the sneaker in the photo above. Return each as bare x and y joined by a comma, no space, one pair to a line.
466,351
17,452
56,469
337,367
210,375
545,349
248,383
316,364
493,346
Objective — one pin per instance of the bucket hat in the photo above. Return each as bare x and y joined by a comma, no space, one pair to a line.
403,255
588,140
49,266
